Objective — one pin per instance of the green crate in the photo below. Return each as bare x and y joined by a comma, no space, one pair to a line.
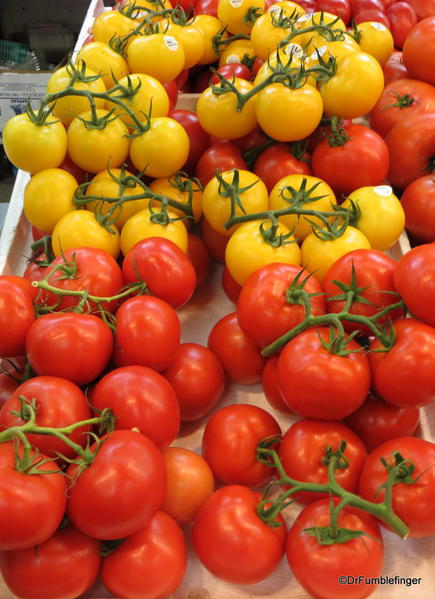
13,53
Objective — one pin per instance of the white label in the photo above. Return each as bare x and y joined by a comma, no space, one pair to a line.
295,50
275,9
378,26
171,42
232,59
383,190
236,3
303,18
320,51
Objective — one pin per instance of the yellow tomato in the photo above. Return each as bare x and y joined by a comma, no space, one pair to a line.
209,26
236,52
158,55
140,227
216,204
266,35
190,37
232,13
322,18
178,189
248,250
376,39
80,228
101,59
144,8
382,217
290,9
105,186
111,24
301,191
48,196
289,56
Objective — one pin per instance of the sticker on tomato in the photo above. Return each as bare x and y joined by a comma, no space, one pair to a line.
383,190
171,42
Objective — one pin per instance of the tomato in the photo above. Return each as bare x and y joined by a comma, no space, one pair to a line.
277,162
147,332
111,24
271,390
80,228
374,273
394,68
230,286
206,7
319,568
377,421
231,552
241,359
373,16
318,254
100,58
419,51
16,315
341,8
177,188
65,565
411,144
412,498
140,227
172,91
199,140
197,378
423,8
7,387
190,38
215,242
32,147
224,156
232,14
318,384
263,311
158,55
232,70
166,270
59,403
69,106
210,26
149,563
23,495
418,202
376,38
266,35
73,346
410,359
355,88
121,490
402,19
189,482
199,257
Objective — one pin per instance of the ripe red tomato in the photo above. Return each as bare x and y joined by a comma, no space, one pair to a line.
198,138
147,333
199,257
363,5
197,378
419,50
206,7
378,16
230,286
231,551
73,346
231,70
7,387
118,494
394,68
402,19
272,392
412,501
16,314
240,357
172,91
215,242
149,563
278,161
423,8
66,565
165,268
231,453
341,8
319,568
418,202
223,156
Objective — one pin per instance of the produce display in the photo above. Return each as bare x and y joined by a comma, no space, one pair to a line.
307,152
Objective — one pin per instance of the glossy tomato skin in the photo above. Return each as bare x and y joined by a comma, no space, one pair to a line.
199,257
197,378
377,421
340,383
148,333
277,162
59,403
411,359
418,202
230,440
150,563
414,278
263,311
418,51
341,8
240,357
215,242
402,19
223,156
24,495
394,68
164,267
412,503
121,490
66,565
272,392
140,398
230,286
230,70
231,552
199,139
363,160
73,346
318,568
16,314
7,387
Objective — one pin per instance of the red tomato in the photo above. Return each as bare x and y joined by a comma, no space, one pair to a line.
121,490
378,16
418,202
263,310
215,242
278,161
223,156
419,50
71,167
341,8
202,79
199,257
37,234
165,268
259,62
147,333
186,5
16,314
140,398
423,8
240,357
411,359
411,144
377,421
230,286
34,271
7,387
197,378
172,91
198,138
363,160
318,384
230,441
394,68
73,346
24,496
272,392
360,5
227,534
206,7
402,19
149,563
319,568
232,70
59,403
66,565
416,97
251,141
413,498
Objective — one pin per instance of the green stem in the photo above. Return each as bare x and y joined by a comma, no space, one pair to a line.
45,285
